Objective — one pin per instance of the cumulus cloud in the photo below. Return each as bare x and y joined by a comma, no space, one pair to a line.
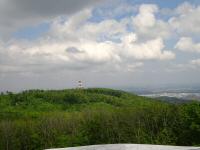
152,49
188,45
147,25
187,21
184,20
184,8
146,17
15,14
77,43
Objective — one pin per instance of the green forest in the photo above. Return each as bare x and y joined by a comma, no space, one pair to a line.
39,119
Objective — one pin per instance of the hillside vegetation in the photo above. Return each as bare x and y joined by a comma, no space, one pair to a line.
38,119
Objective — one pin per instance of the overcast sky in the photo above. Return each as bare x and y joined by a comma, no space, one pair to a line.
105,43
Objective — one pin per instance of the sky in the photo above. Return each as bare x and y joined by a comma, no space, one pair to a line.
48,44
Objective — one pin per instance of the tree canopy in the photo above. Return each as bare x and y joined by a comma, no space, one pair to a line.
38,119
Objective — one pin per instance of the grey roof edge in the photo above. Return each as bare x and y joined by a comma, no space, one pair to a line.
129,147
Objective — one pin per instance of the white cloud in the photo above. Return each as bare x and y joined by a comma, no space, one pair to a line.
184,20
78,43
187,21
147,25
104,30
184,8
133,67
146,17
195,62
152,49
186,44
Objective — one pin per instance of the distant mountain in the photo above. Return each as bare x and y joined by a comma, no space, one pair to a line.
172,99
175,97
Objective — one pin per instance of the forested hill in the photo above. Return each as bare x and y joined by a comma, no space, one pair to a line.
38,119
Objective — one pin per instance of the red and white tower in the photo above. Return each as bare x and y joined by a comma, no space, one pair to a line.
80,85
